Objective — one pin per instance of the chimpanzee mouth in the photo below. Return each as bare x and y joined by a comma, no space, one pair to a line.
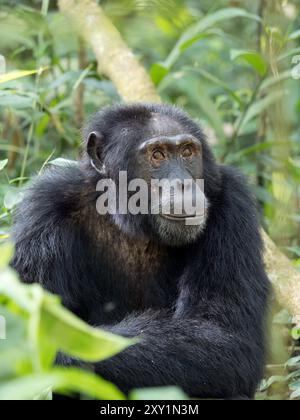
182,218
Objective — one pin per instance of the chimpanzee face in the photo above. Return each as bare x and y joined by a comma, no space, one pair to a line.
166,158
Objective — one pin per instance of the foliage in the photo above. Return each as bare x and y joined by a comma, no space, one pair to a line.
232,64
38,327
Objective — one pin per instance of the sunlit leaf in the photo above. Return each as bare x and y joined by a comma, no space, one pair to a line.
3,164
18,74
69,334
296,333
67,380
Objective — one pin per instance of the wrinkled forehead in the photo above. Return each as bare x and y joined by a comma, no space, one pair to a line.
162,125
147,128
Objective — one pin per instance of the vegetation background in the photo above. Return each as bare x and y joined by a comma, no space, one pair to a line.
237,73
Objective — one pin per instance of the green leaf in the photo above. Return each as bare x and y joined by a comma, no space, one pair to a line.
258,107
16,101
159,394
257,148
12,198
15,331
253,58
158,72
273,380
3,164
59,329
294,35
202,26
67,380
294,362
64,331
288,54
296,333
215,81
190,42
8,77
296,394
272,81
295,250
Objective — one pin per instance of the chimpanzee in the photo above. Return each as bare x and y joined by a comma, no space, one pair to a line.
196,294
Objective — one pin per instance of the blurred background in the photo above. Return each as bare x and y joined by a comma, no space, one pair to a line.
238,78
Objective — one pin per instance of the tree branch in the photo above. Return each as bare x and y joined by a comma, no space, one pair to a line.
118,63
114,58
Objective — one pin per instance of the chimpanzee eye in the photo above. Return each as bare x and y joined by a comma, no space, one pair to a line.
158,155
187,152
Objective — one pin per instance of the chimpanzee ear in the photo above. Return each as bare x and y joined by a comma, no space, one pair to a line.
94,148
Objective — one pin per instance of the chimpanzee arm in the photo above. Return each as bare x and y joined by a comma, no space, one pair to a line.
48,243
213,345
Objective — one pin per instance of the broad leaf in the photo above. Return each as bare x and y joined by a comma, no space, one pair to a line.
255,60
67,380
63,330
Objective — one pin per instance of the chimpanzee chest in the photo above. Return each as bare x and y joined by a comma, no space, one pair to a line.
132,276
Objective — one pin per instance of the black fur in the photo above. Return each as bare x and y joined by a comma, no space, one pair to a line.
199,309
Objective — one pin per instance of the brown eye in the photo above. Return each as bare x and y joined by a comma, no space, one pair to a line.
187,152
158,155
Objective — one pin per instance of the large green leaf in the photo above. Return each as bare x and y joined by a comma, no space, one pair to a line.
16,101
158,72
67,380
61,329
37,327
253,58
